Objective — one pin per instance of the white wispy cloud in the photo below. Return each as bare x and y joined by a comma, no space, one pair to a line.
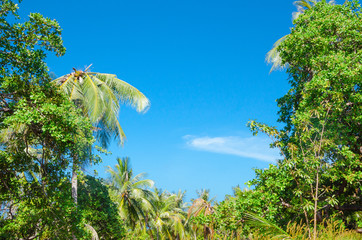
250,147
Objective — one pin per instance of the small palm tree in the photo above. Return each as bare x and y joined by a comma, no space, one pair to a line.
202,206
169,218
131,193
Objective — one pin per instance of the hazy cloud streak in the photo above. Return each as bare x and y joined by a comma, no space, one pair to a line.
252,147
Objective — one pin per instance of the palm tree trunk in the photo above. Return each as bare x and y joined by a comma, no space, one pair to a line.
316,206
75,187
75,179
148,226
75,184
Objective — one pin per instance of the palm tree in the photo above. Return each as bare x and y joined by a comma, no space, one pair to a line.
273,55
169,217
99,96
131,194
202,206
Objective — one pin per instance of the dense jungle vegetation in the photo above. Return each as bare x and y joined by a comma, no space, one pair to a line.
50,129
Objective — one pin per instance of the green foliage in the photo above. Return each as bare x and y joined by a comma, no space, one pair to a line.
23,47
38,140
99,210
320,174
273,56
229,216
326,231
323,52
40,131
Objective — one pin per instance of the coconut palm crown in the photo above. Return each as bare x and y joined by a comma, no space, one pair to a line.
169,217
99,95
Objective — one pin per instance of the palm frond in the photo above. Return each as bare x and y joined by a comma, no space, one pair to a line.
64,80
273,56
304,3
92,231
145,183
93,99
125,92
267,227
6,134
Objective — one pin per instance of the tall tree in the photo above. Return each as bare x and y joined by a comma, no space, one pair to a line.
99,95
321,142
39,130
324,57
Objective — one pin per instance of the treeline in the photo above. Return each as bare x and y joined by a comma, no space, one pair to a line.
50,129
318,178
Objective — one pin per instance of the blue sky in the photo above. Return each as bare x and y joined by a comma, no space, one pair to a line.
201,64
